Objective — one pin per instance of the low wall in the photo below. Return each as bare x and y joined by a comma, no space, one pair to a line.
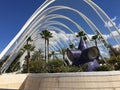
12,81
63,81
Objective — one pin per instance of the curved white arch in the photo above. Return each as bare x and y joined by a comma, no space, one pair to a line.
82,15
6,65
39,10
63,7
56,29
36,21
34,40
94,6
49,23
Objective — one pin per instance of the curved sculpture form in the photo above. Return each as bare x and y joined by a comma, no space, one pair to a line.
79,57
83,54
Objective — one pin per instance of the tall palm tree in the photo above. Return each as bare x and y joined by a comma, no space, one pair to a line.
53,54
29,48
95,37
81,34
63,53
99,37
46,35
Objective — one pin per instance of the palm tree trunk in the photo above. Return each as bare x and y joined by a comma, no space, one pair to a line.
95,42
28,59
45,50
48,47
28,56
53,56
63,55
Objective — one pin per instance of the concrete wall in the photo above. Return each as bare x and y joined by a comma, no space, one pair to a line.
63,81
12,81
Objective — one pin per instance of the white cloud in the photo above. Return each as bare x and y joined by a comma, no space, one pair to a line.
65,38
109,24
113,19
119,26
115,33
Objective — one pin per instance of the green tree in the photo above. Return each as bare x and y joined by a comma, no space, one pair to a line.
100,38
71,46
81,34
53,54
63,53
95,37
114,51
37,55
29,48
46,35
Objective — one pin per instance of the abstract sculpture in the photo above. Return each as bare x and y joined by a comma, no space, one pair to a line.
83,54
80,57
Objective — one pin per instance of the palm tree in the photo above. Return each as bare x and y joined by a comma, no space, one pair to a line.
29,48
63,53
81,34
95,37
46,35
37,55
114,51
99,37
71,46
53,54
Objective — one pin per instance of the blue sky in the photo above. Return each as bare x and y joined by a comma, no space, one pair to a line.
14,14
111,7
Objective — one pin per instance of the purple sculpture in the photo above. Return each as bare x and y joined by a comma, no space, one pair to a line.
82,45
84,55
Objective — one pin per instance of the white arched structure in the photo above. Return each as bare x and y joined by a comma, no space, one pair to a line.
46,18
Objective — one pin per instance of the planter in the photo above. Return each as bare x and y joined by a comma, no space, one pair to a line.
64,81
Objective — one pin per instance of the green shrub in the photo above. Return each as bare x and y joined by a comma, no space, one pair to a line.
65,68
117,66
36,66
75,69
55,66
101,61
104,68
85,67
114,61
